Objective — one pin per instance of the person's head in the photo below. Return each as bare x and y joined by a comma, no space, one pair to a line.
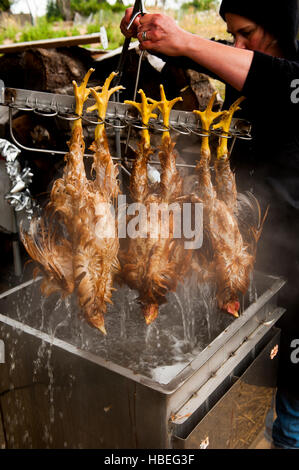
268,26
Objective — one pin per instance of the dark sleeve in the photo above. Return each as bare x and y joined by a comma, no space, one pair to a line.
272,80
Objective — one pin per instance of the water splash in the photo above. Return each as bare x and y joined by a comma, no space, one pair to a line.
252,290
186,324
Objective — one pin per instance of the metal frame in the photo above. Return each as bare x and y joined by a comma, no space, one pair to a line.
118,116
154,411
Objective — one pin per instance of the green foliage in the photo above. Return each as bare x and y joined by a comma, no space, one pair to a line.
42,30
46,28
118,7
86,7
53,12
199,5
111,21
5,5
9,32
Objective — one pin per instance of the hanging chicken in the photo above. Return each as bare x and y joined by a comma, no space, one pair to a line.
82,251
155,261
49,240
231,261
96,240
245,207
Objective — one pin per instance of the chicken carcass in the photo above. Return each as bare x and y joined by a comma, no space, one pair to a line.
155,261
49,239
96,239
231,262
83,252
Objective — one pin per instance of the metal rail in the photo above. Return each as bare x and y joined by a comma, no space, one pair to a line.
119,116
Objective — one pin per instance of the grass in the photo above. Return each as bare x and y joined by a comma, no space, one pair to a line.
11,31
207,24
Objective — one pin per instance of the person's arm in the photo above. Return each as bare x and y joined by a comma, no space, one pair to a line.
186,63
230,64
164,36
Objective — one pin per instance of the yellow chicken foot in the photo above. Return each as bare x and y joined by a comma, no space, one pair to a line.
102,100
171,182
207,117
224,124
146,109
81,94
224,177
106,171
138,182
165,108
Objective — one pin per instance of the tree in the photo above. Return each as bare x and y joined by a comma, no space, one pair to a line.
53,12
5,5
65,9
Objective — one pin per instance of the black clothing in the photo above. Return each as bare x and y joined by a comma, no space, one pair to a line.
281,21
270,164
269,167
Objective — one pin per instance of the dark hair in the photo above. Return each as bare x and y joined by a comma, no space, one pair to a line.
277,17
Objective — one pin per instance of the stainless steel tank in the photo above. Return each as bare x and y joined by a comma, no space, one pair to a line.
178,383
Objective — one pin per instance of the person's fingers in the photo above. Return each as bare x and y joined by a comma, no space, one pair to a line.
132,32
146,18
143,36
128,14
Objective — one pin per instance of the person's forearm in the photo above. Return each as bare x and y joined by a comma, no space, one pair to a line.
160,33
228,63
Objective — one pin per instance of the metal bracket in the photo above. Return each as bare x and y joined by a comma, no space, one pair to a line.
62,106
118,116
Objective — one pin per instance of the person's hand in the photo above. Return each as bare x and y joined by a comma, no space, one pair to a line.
160,33
132,32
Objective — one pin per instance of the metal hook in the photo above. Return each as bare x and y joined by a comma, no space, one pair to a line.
46,112
159,127
201,132
68,116
181,128
241,136
124,169
242,130
141,11
89,121
115,126
134,122
221,133
20,108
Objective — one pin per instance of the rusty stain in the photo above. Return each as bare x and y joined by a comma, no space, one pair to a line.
274,352
174,417
205,443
